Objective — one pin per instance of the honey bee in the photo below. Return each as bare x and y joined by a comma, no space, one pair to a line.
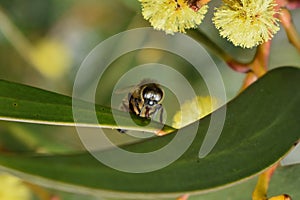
145,100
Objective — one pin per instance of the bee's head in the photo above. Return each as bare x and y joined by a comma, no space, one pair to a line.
152,94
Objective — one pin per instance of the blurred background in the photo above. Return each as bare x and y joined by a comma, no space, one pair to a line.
43,43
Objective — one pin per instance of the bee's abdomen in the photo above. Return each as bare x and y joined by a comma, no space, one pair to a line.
135,106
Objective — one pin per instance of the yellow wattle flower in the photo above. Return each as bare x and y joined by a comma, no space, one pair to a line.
246,23
193,110
51,57
172,15
12,188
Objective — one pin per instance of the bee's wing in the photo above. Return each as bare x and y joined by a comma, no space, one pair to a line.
124,90
131,88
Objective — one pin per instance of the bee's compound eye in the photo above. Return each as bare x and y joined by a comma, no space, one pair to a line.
157,97
148,95
153,93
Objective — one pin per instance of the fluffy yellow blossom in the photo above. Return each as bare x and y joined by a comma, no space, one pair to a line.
51,57
193,110
12,188
172,15
246,23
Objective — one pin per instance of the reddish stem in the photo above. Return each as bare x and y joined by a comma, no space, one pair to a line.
260,63
261,189
183,197
287,22
249,79
237,66
293,4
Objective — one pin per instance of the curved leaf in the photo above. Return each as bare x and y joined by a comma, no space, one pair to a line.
284,181
27,104
262,124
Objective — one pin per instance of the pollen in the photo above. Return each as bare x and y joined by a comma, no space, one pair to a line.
172,16
246,23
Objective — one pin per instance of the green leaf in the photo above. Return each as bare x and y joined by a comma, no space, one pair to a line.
261,125
27,104
284,181
24,137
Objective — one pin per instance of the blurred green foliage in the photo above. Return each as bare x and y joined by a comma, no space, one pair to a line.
79,26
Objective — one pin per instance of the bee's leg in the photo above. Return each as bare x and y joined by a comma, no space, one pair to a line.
121,130
157,109
161,114
143,112
124,107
